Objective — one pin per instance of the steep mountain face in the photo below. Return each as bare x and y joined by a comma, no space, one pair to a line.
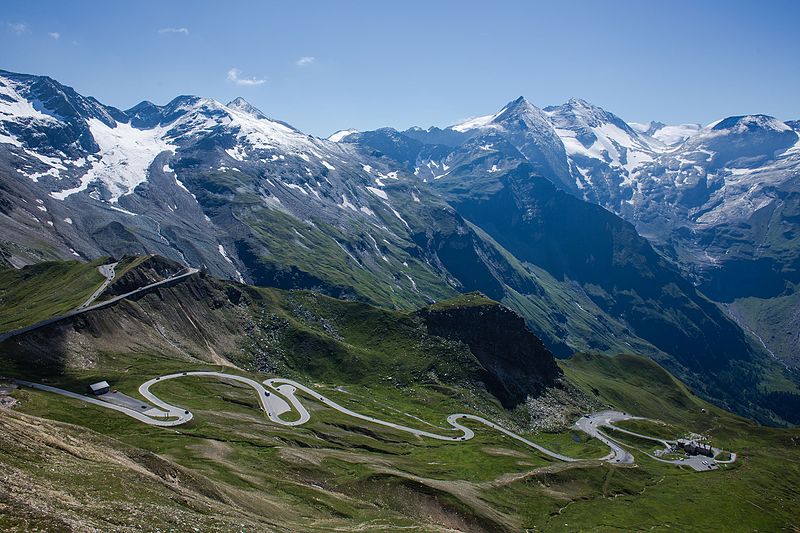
719,200
500,340
603,151
620,273
520,124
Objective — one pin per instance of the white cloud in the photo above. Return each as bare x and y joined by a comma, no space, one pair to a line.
305,61
18,27
233,76
55,35
182,31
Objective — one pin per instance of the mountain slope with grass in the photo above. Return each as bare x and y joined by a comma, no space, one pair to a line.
231,465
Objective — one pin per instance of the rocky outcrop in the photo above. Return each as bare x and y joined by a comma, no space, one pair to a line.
515,361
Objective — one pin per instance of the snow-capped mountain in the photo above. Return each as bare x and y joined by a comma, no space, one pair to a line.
394,218
654,175
713,198
180,180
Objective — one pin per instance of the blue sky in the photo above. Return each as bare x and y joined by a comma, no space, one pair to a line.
372,64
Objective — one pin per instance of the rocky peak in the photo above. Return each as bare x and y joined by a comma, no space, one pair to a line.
240,104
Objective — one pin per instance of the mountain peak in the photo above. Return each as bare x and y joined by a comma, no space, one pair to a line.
240,104
522,111
520,103
579,102
750,123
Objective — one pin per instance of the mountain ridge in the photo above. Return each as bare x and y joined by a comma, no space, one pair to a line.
253,199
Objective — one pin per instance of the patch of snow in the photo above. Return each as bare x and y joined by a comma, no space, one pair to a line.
36,175
15,106
377,192
346,204
125,155
8,139
237,153
115,208
328,165
474,123
296,187
224,254
677,134
398,216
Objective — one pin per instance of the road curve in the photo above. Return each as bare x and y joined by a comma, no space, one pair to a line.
591,424
162,419
109,272
278,396
466,433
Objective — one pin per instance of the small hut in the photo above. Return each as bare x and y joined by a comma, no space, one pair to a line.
101,387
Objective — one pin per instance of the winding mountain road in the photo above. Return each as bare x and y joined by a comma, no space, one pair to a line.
109,272
278,396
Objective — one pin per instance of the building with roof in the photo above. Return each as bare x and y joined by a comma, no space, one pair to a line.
101,387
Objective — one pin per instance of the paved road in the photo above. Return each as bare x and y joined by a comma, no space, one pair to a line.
185,273
109,272
289,387
591,424
279,397
154,418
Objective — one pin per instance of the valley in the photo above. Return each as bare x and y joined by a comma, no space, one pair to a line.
334,468
537,319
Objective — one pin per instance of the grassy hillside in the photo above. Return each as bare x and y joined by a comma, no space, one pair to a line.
231,465
634,383
336,473
39,291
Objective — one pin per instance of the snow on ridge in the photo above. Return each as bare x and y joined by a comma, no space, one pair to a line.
473,123
14,105
123,162
346,204
341,134
676,134
378,192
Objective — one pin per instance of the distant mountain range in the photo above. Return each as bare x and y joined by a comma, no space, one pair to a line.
537,208
721,201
